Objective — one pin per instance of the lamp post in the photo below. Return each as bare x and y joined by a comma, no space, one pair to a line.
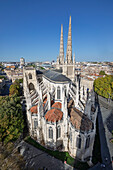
109,98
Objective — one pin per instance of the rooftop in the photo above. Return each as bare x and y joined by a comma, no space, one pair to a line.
80,121
54,115
33,109
57,105
55,76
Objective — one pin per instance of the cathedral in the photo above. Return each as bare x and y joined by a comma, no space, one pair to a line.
60,114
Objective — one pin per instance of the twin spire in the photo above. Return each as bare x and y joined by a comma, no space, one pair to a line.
61,55
69,46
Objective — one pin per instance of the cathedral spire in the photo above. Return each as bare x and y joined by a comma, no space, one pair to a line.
61,55
69,45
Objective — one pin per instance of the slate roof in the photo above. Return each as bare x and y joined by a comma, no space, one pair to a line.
40,71
55,76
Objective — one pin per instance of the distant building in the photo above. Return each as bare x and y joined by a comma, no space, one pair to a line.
22,62
6,64
14,74
10,67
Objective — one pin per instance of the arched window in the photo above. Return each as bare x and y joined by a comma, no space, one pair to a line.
50,132
65,91
78,142
58,132
87,142
31,86
83,91
70,136
30,76
35,123
58,92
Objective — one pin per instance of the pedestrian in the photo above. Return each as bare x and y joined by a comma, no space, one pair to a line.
103,165
106,159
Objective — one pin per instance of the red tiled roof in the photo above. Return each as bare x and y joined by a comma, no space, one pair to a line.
10,66
54,115
57,105
34,109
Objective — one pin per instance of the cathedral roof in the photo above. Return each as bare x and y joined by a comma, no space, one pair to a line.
54,115
55,76
33,109
57,105
80,121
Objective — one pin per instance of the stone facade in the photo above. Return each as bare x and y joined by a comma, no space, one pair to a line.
56,117
61,112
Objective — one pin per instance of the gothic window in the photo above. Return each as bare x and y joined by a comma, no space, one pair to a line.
58,92
30,76
65,90
31,86
58,132
87,142
87,93
78,142
35,123
71,136
50,132
83,91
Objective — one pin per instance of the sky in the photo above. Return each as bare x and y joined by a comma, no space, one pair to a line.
31,29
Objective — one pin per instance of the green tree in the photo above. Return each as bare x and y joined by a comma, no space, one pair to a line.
11,118
15,88
104,86
102,72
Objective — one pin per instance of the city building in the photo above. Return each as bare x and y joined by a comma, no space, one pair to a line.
14,74
22,62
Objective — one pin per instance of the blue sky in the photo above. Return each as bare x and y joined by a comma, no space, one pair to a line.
31,29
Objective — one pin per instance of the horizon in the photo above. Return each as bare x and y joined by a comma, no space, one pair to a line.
31,29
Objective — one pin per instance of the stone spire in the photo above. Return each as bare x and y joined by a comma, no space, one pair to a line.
61,55
69,45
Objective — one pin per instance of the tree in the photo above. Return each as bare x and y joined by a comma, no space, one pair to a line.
15,88
104,86
11,118
102,72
